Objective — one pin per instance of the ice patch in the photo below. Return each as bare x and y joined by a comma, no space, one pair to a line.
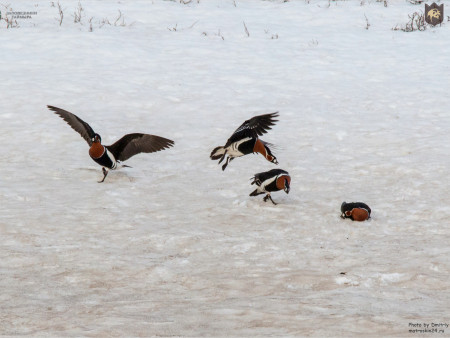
346,281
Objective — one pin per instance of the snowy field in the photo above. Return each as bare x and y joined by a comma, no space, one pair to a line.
175,246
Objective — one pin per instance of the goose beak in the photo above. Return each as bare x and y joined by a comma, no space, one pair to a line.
287,188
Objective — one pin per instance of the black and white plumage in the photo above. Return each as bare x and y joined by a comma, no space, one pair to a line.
270,181
245,140
109,156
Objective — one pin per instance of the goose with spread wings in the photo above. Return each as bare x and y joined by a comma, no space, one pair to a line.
245,140
109,156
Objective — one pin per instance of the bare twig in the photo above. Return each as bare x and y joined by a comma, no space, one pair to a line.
416,23
313,43
273,37
118,19
367,22
418,19
219,34
246,30
191,26
10,22
176,29
77,13
105,21
61,14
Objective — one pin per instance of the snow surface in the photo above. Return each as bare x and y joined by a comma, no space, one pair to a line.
175,246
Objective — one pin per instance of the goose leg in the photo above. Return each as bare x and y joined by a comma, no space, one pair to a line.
223,156
229,159
270,198
105,172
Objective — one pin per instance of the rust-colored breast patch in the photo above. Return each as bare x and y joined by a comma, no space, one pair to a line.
96,150
358,214
280,182
259,148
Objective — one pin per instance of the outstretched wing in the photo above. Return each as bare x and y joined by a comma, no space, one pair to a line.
76,123
132,144
258,125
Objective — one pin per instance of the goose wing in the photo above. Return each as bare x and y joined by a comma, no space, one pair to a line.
76,123
132,144
258,125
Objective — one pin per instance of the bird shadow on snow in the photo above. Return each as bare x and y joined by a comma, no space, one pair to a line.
112,175
260,204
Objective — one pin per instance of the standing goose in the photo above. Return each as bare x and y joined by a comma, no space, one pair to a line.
109,156
270,181
245,140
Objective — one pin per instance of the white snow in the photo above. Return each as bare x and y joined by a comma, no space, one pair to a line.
175,246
